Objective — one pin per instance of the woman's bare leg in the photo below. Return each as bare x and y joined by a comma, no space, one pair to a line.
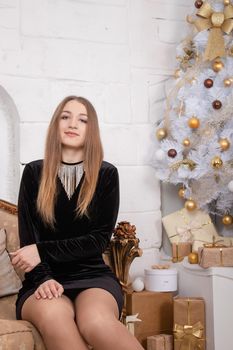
97,320
54,319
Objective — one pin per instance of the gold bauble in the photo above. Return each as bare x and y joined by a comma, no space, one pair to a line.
216,162
194,123
190,205
226,2
227,82
181,192
193,258
161,133
186,142
217,65
227,220
224,144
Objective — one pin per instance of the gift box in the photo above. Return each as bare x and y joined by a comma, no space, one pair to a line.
195,227
215,256
154,309
189,323
180,250
161,280
160,342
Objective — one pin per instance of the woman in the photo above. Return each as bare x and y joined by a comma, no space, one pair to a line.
68,206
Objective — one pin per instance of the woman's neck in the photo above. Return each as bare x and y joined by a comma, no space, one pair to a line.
72,156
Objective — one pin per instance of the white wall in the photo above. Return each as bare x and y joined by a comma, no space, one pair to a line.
118,54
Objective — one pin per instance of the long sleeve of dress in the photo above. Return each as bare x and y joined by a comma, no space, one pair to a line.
27,219
97,239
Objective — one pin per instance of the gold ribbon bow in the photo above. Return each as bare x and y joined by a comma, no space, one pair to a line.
214,244
189,335
218,23
185,232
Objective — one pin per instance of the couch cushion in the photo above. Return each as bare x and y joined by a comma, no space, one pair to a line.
7,307
10,282
15,335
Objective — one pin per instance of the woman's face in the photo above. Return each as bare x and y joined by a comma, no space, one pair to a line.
73,125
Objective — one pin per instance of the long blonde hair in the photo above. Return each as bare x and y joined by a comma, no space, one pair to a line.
93,157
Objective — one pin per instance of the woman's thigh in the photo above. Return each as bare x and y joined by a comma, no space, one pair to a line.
43,311
93,307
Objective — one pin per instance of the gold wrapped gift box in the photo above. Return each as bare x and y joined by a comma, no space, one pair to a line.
215,256
154,309
180,250
160,342
189,324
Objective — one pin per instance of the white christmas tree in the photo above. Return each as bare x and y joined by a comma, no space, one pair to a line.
196,135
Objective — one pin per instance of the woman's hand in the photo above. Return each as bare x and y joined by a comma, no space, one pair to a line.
49,289
26,258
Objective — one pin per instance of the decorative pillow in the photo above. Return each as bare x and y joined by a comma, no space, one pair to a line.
10,282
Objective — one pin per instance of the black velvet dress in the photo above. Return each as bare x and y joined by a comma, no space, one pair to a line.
71,253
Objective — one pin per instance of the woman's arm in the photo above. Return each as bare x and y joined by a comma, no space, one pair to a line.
96,241
28,221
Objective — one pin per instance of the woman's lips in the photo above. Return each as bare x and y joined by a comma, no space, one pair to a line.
71,134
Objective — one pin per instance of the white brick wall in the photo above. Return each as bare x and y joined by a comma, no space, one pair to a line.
118,54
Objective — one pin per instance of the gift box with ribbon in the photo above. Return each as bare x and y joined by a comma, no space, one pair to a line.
189,324
180,250
215,254
160,342
154,309
195,227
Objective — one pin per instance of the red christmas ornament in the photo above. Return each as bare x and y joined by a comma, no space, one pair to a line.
208,83
172,153
198,4
217,104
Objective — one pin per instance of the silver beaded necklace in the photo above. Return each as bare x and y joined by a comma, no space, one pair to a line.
70,176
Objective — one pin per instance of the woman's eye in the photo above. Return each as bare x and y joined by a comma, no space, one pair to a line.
64,117
83,121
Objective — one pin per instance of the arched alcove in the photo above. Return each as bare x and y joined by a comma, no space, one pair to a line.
9,146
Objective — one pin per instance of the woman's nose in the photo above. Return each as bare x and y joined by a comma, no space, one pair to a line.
73,123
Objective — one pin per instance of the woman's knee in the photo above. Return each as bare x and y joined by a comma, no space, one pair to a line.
95,325
47,315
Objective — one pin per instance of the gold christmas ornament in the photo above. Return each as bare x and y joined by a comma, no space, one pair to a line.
226,2
227,82
216,162
186,142
181,192
227,220
193,258
190,205
161,133
217,66
224,144
194,123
